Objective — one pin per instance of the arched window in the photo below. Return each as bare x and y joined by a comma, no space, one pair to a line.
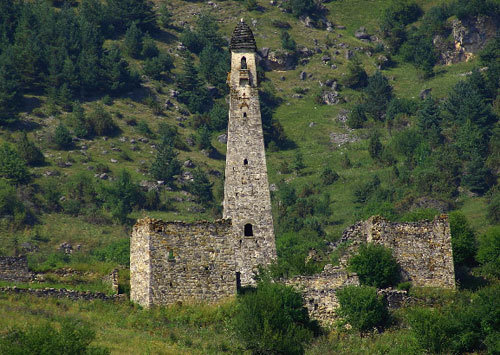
245,161
243,63
248,230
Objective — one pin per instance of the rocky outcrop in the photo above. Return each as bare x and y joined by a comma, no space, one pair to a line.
469,36
280,60
62,293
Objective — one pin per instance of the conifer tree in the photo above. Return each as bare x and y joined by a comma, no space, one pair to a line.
201,187
166,165
133,41
378,94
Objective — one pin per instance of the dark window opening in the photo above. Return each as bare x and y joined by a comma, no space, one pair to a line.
244,114
240,242
245,162
248,230
238,281
243,63
170,284
243,82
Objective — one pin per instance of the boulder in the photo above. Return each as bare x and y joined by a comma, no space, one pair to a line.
361,34
302,75
280,60
331,97
222,138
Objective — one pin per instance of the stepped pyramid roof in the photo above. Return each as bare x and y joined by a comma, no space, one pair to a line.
242,38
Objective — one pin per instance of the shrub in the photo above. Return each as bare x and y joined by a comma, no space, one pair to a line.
149,48
301,7
375,147
29,151
118,252
166,165
273,320
356,76
62,138
357,117
100,121
463,240
12,167
488,252
362,308
154,67
375,266
493,209
11,207
133,41
165,16
72,337
378,94
287,41
201,187
328,176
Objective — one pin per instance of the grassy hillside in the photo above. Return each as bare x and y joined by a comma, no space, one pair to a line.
68,199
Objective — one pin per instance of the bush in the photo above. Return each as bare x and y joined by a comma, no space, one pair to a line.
72,337
362,308
273,320
301,7
149,48
31,154
463,240
117,252
488,252
356,76
375,266
375,147
201,187
62,138
357,117
11,208
154,67
378,94
100,122
12,167
328,176
493,209
166,164
133,41
287,41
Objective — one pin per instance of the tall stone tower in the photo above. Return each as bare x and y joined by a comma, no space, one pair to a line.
246,190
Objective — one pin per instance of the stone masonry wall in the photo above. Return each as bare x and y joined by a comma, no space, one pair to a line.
15,268
422,249
247,198
184,262
319,291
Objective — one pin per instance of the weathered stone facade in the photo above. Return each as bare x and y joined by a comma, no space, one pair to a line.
422,249
319,291
175,261
247,200
15,269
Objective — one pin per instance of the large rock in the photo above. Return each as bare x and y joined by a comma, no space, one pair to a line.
361,34
280,60
331,97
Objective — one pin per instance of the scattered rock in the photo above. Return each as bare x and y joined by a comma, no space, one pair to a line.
302,75
114,161
187,176
342,138
325,59
280,60
173,93
382,62
331,97
273,187
103,176
361,33
348,54
222,138
51,173
66,248
189,164
312,124
340,27
343,115
425,93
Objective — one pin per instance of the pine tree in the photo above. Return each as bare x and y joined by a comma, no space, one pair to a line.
133,41
378,94
12,167
165,15
201,187
27,150
429,120
166,165
10,89
127,12
375,147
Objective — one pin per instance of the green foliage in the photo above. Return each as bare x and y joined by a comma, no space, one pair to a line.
214,66
375,266
218,116
488,251
463,240
10,88
31,154
287,41
11,208
378,94
164,15
298,162
154,67
272,319
357,117
100,122
125,13
356,76
201,187
301,7
203,138
419,50
394,19
468,9
251,5
375,147
149,48
206,33
121,196
328,176
117,252
493,210
133,41
192,91
72,337
362,308
166,165
468,324
12,167
400,106
62,137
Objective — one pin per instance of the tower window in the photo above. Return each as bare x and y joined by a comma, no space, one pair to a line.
248,230
244,114
243,63
245,162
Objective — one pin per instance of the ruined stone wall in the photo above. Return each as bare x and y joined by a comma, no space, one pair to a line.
182,262
247,200
15,269
319,291
422,249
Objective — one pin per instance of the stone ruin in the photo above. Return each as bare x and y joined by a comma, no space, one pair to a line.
15,269
173,262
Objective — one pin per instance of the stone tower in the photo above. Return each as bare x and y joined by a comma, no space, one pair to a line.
246,191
